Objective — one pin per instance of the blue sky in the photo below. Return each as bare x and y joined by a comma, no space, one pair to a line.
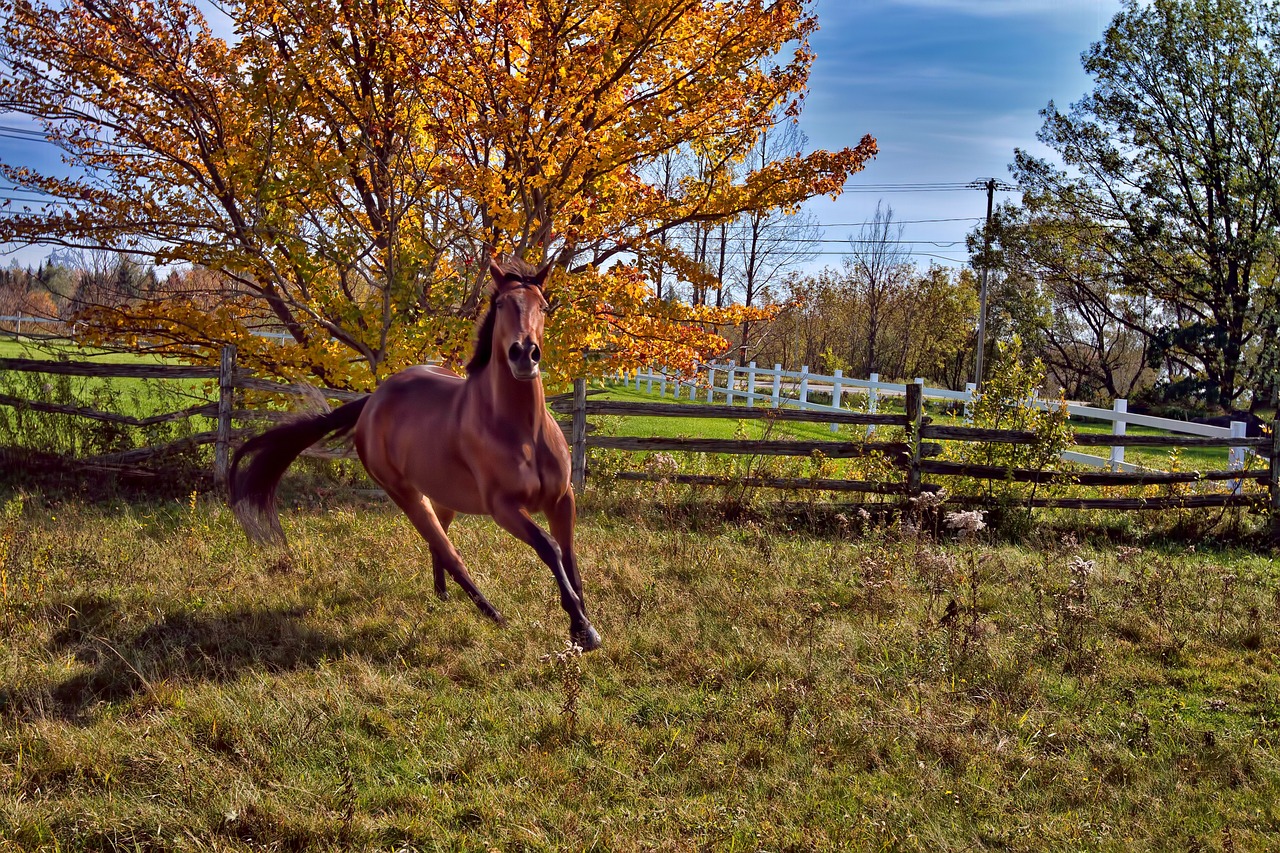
948,87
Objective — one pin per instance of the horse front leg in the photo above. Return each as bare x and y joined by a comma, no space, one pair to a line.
515,519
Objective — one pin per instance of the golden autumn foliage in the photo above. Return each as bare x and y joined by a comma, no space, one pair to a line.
346,167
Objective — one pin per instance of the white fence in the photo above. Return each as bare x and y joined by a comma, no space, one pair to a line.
777,387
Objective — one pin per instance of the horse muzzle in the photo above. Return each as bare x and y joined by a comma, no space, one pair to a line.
523,358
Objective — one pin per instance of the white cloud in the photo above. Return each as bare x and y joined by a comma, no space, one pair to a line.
1006,8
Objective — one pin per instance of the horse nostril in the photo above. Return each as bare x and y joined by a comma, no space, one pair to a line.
514,352
535,354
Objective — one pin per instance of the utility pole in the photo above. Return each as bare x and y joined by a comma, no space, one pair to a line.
990,185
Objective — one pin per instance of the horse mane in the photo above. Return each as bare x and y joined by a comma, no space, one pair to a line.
515,269
484,341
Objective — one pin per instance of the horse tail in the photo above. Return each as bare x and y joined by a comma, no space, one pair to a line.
252,487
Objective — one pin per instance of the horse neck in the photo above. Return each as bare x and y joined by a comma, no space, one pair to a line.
520,403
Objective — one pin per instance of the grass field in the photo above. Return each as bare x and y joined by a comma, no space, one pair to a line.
163,686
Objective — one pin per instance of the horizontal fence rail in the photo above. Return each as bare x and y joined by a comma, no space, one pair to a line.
914,458
794,388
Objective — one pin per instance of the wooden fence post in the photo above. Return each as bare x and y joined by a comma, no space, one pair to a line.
915,414
578,451
1275,472
226,400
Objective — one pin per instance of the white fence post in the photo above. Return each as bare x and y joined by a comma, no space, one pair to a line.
731,384
751,385
777,385
1236,457
971,393
1118,426
836,393
804,386
711,383
873,402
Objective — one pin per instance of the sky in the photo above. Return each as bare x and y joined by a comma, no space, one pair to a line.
948,87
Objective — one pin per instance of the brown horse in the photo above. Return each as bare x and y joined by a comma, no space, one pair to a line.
440,444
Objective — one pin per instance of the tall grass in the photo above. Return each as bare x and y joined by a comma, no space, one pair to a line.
165,687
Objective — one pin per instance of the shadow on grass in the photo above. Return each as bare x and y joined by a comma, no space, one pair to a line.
182,646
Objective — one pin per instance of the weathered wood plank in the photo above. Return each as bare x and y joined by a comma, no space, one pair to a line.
993,436
1082,478
686,410
1165,503
915,415
206,409
114,371
830,449
768,482
125,457
226,400
578,435
252,383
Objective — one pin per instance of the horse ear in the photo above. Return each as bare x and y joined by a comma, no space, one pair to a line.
540,277
497,274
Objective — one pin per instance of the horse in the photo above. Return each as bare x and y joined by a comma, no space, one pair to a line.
440,444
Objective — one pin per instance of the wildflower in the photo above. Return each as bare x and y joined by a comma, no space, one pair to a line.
662,463
966,523
930,500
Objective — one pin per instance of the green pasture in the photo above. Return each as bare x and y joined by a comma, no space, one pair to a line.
164,686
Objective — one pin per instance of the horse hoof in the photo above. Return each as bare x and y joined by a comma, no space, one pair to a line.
442,594
588,640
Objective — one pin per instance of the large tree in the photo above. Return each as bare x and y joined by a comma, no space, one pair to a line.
1061,294
1170,170
347,165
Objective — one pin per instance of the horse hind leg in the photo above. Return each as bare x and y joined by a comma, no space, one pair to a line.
444,557
438,558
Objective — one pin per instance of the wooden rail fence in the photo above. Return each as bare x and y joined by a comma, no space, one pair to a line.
915,457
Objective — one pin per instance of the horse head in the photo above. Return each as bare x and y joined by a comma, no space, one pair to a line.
518,313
